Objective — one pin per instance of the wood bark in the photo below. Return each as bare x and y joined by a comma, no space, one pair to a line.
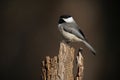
61,67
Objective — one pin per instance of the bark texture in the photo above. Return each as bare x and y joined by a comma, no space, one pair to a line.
61,67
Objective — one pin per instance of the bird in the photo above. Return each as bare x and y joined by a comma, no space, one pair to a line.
72,32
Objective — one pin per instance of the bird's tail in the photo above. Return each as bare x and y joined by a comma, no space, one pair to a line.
90,47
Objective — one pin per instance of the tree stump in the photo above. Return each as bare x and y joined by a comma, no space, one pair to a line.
61,67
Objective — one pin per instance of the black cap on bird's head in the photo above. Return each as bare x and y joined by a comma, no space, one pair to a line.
62,17
65,16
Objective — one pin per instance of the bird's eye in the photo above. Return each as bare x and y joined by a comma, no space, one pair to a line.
61,21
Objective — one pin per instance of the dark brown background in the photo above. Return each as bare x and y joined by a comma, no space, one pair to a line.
29,33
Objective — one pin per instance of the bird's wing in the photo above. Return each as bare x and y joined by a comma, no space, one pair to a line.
74,29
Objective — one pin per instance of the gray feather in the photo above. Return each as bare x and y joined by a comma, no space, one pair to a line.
90,47
74,29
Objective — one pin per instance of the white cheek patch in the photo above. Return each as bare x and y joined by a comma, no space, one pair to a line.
68,20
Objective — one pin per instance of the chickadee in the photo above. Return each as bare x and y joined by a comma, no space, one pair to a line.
71,32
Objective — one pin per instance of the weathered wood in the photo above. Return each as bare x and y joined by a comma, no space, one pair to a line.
80,66
61,67
65,62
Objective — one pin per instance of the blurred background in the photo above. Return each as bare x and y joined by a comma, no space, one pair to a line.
29,33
